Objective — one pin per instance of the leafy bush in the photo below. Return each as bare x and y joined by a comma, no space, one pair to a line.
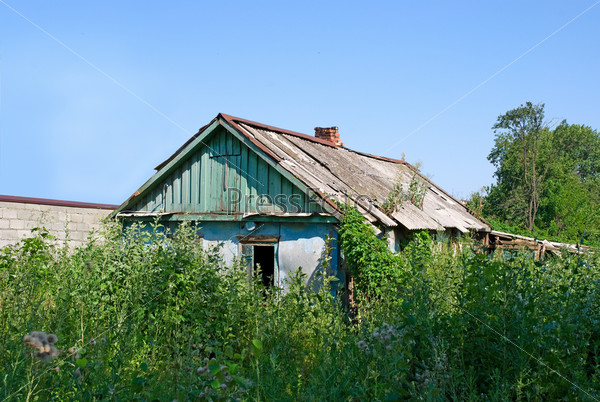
482,326
143,316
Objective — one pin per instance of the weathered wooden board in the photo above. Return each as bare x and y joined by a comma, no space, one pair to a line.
225,176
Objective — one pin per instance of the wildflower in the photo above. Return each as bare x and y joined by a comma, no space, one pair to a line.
93,341
74,353
103,340
375,334
44,343
201,370
223,387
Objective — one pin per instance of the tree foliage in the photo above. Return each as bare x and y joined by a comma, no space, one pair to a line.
547,179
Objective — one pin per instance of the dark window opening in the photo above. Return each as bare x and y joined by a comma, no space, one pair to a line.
265,257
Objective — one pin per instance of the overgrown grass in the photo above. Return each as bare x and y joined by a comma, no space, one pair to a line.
169,321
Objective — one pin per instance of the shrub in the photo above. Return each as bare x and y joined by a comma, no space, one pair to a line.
145,316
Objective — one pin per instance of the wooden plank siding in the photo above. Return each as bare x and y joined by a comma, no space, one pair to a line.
225,176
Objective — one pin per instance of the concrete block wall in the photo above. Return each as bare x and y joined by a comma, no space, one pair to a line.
18,215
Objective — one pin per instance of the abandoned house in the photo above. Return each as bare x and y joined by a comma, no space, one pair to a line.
270,196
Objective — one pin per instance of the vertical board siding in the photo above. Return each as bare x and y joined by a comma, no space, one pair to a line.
169,194
177,189
185,184
194,180
252,182
287,188
204,182
200,183
262,177
274,189
243,175
219,168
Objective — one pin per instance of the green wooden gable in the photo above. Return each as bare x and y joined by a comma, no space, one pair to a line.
220,174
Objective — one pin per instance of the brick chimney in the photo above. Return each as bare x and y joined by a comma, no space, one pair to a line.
330,134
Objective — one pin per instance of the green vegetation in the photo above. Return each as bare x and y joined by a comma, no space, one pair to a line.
415,193
548,180
166,321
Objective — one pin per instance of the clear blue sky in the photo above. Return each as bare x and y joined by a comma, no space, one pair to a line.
378,70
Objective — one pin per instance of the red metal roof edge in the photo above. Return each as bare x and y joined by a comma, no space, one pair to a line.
232,122
277,129
58,203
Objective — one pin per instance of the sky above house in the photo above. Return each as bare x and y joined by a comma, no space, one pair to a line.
94,95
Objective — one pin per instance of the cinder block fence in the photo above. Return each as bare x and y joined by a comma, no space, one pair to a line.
18,215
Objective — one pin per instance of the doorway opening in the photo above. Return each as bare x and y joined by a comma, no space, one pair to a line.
264,264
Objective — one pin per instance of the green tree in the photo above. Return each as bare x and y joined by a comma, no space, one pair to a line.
519,157
547,180
571,200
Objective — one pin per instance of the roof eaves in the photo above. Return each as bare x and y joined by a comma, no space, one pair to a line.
181,148
453,199
170,164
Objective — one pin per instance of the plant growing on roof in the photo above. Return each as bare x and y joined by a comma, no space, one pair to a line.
415,194
394,198
416,191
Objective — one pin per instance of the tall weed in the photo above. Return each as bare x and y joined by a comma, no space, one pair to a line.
142,315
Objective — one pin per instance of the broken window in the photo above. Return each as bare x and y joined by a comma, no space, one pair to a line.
264,264
259,255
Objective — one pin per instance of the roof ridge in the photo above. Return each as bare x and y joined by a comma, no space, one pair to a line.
277,129
235,120
306,137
